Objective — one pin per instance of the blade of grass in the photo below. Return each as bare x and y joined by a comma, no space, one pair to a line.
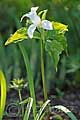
67,111
30,77
28,108
3,94
41,110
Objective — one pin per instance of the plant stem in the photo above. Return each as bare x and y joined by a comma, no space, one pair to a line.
42,67
20,97
30,77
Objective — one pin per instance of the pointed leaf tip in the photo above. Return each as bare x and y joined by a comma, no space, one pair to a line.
19,35
59,26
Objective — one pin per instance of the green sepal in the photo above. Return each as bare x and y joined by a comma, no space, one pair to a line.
43,13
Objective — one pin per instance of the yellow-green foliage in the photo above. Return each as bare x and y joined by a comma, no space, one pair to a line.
3,93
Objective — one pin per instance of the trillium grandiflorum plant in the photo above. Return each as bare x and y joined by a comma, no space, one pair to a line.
52,40
38,23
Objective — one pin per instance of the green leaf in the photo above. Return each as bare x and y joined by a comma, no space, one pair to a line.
60,27
19,35
62,40
65,110
3,94
55,47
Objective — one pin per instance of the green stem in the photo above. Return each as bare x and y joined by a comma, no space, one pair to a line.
30,77
20,97
42,68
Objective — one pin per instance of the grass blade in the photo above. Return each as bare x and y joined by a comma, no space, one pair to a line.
28,109
41,110
3,94
67,111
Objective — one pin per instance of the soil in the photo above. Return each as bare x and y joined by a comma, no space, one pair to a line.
71,100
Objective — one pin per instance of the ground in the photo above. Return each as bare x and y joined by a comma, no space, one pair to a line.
71,100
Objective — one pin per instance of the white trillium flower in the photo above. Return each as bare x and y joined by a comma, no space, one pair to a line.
35,19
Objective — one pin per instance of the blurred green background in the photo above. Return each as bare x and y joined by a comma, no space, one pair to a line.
11,61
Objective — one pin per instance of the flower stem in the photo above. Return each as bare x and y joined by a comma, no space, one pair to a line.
42,67
20,97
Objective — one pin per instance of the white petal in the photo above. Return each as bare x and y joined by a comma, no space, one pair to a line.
34,17
31,30
47,25
25,15
34,9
